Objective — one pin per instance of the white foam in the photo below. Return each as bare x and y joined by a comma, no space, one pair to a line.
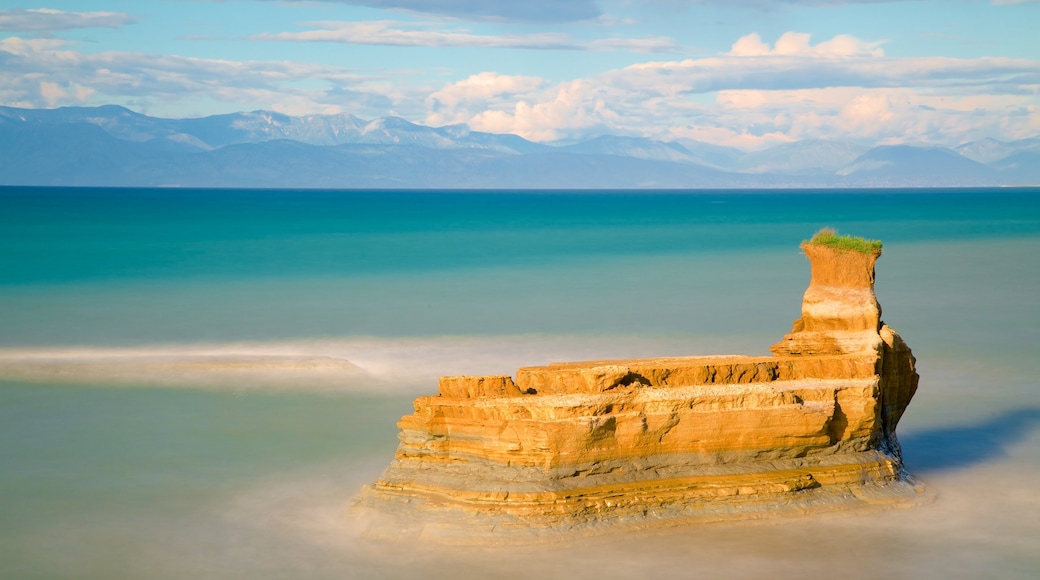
362,364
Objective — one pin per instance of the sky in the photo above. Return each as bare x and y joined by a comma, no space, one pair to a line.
742,73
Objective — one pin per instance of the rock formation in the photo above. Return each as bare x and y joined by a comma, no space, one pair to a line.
592,447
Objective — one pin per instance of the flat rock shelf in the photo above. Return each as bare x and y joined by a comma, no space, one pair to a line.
607,446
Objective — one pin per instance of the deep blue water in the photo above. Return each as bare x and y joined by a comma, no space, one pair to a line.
127,266
56,235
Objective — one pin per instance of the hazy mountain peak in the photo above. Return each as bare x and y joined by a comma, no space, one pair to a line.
991,151
458,130
812,156
637,147
918,166
717,156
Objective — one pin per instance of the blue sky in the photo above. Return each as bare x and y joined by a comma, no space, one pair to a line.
745,73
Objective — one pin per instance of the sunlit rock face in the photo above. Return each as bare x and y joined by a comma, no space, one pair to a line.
603,446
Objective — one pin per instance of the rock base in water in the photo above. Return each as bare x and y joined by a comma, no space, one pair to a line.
599,446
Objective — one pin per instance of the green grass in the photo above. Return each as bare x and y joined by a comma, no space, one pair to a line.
829,238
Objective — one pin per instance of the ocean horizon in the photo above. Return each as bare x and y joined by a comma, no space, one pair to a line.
195,383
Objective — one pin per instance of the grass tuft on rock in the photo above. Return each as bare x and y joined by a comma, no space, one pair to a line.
829,238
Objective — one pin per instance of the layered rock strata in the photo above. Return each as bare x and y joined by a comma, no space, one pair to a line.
597,446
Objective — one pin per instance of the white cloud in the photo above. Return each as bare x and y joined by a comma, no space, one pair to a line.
779,5
569,107
54,93
391,33
480,92
649,44
490,10
47,73
47,20
798,44
750,45
419,34
526,106
756,94
818,66
839,88
768,5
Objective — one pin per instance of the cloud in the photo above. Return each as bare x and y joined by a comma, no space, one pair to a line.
569,107
840,88
46,20
773,4
794,62
649,44
876,115
483,91
390,33
48,73
53,93
755,94
798,44
770,5
393,33
491,10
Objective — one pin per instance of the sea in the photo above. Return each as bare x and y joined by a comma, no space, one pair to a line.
118,459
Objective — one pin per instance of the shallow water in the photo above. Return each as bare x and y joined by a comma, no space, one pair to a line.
228,478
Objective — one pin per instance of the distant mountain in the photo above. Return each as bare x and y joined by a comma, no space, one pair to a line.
78,154
113,146
1022,167
556,170
811,157
711,155
636,147
989,151
917,167
259,126
493,141
83,154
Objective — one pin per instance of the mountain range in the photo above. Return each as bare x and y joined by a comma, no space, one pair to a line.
114,146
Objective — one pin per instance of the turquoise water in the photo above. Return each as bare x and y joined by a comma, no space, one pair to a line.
113,477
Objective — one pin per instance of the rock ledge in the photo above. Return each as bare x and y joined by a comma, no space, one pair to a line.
594,447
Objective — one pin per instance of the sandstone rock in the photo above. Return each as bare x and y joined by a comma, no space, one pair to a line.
476,387
612,445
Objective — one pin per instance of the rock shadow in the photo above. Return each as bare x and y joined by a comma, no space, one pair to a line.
962,446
